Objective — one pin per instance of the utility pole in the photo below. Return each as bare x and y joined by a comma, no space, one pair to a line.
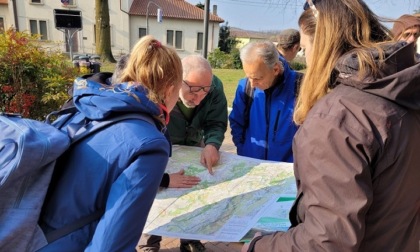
206,27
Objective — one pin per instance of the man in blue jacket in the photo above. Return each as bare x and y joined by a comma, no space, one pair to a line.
261,117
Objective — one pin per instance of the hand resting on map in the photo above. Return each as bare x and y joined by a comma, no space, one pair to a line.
180,180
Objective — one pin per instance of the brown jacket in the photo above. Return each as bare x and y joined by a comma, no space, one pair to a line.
357,164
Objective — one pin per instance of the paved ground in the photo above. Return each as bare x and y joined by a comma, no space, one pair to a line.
172,244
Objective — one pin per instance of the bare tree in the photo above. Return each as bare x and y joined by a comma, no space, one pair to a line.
103,31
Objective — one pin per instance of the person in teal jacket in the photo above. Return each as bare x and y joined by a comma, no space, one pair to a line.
261,118
117,170
198,119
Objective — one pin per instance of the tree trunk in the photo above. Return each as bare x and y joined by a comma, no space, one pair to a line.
103,31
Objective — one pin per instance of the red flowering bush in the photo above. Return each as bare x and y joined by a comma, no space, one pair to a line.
33,81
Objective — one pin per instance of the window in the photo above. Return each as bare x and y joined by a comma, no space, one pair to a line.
39,27
178,39
142,32
174,38
170,37
199,41
1,25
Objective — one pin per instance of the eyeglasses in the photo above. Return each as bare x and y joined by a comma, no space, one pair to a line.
311,4
409,34
196,89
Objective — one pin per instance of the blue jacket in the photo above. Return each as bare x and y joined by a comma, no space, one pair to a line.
271,129
118,168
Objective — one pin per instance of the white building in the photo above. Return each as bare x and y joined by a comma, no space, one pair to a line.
182,26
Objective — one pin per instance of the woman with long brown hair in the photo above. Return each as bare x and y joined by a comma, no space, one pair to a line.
356,151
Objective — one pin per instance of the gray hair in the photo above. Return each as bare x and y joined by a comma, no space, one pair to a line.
119,68
195,63
264,50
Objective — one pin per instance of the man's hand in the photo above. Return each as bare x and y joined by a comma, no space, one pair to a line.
245,247
209,157
179,180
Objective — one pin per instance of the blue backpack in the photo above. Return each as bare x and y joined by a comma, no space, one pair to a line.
28,152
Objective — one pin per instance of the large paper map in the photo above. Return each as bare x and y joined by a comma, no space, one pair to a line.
224,206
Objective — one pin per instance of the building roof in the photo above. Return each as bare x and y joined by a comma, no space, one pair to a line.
171,9
4,2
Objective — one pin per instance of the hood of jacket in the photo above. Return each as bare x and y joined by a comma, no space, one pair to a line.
398,79
97,99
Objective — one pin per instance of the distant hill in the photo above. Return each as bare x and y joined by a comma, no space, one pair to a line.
241,33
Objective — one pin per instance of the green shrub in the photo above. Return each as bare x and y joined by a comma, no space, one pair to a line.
237,63
33,81
222,60
297,65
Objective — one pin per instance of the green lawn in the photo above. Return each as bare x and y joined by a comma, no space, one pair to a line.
230,78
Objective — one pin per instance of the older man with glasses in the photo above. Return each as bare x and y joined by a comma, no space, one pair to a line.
200,116
198,119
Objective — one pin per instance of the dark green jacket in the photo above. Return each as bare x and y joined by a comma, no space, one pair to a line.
208,124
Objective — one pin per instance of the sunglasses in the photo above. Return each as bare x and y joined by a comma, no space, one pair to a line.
196,89
409,34
311,4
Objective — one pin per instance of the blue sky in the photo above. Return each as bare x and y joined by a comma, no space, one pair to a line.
259,15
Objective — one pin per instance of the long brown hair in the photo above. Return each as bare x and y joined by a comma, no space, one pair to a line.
154,66
341,26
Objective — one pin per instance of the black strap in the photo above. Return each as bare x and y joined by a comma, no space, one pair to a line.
70,110
58,233
249,98
298,81
76,134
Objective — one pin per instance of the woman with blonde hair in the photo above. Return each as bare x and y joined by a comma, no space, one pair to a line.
356,151
115,173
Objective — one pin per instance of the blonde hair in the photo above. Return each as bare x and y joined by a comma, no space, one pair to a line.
154,66
341,26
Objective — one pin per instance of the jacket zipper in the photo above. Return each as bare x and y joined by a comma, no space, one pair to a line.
267,125
276,124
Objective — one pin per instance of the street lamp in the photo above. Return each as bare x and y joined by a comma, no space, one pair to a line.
158,15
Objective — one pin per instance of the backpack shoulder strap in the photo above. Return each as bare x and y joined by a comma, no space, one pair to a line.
298,81
249,99
58,233
78,132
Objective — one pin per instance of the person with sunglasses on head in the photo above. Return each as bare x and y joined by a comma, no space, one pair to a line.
356,150
198,119
407,28
261,116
